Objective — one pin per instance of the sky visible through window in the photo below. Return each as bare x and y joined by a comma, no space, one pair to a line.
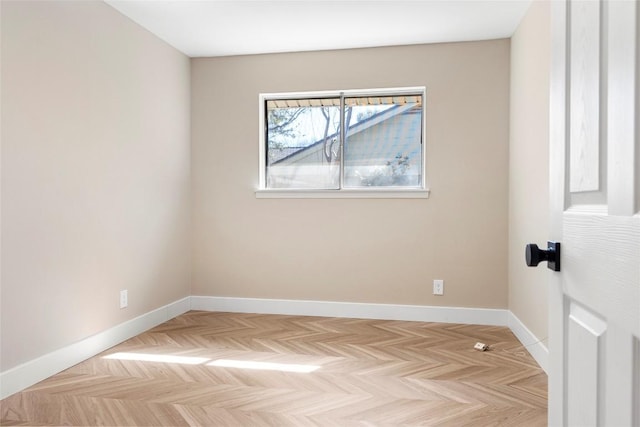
309,126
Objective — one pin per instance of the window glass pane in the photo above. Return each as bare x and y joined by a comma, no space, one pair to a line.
303,143
383,143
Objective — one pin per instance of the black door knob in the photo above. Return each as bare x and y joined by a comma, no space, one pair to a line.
534,255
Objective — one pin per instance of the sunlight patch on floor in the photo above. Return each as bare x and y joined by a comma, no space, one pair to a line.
222,363
162,358
249,364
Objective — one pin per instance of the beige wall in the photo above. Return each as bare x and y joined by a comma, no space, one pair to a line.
529,165
96,166
380,251
95,174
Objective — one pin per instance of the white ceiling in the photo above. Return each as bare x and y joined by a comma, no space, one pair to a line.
222,28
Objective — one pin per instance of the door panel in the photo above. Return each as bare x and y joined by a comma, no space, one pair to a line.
585,97
635,387
594,306
585,351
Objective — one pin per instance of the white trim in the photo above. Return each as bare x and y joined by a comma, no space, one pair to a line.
36,370
33,371
419,313
342,194
390,91
477,316
534,345
262,151
262,146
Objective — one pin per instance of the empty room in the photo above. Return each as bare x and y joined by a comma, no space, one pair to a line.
320,213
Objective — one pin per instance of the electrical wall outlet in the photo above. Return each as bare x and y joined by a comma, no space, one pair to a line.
124,299
438,287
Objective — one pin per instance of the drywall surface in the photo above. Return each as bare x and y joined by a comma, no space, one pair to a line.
95,174
355,250
529,166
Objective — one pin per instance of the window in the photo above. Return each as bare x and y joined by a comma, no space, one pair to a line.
352,143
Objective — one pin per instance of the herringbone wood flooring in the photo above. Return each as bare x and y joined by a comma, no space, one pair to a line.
372,373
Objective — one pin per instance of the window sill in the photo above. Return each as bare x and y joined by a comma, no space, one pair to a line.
343,194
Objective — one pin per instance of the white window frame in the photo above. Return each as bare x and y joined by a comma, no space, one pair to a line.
262,191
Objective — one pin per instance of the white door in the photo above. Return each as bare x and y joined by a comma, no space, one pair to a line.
594,301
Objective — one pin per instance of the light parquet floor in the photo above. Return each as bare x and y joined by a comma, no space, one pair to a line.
371,373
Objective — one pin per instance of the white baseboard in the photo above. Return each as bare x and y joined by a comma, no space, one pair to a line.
34,371
421,313
29,373
533,344
472,316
